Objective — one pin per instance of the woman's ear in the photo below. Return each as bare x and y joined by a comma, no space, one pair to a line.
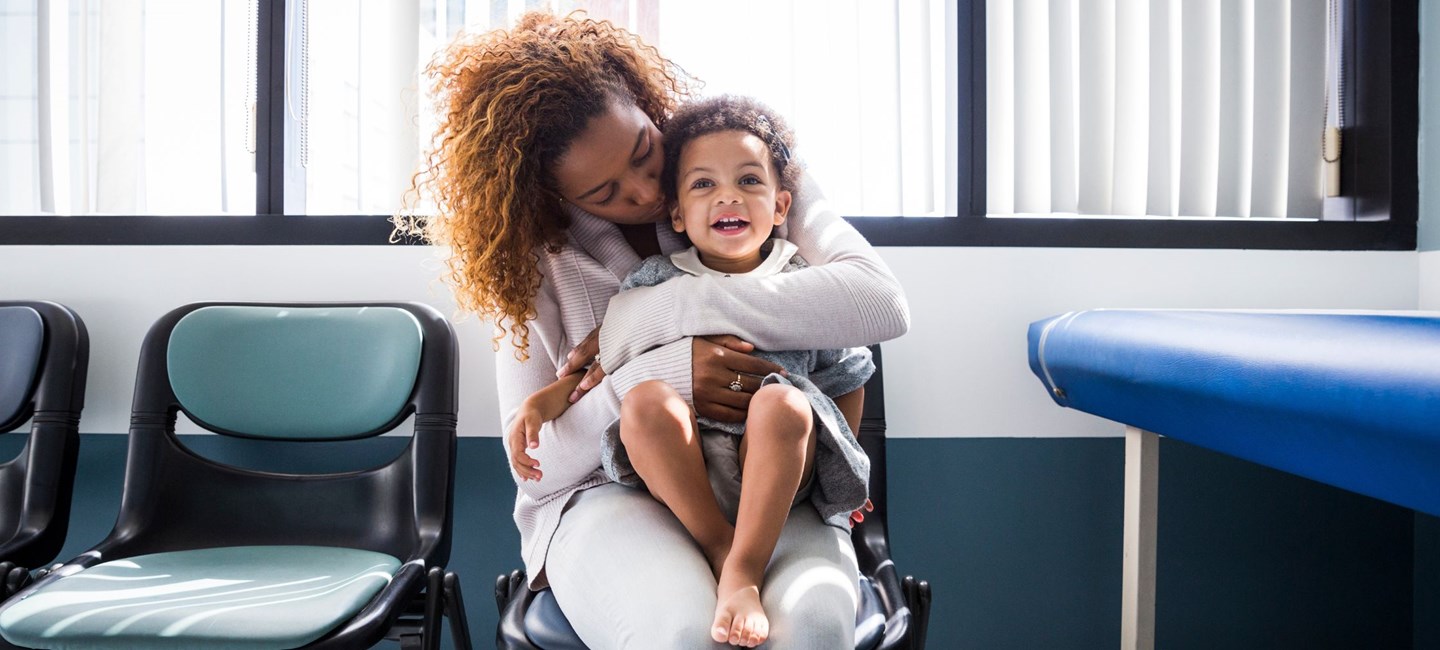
677,221
782,206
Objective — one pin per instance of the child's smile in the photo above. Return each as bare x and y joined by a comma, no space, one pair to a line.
730,224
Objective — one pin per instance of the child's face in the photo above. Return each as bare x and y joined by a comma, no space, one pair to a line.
729,198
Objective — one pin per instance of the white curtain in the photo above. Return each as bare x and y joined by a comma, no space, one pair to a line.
866,84
127,107
1162,108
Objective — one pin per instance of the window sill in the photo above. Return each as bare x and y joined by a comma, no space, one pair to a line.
362,230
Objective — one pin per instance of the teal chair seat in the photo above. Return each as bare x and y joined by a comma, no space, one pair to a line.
236,597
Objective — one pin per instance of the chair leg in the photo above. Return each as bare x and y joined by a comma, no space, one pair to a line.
455,609
505,586
434,601
917,598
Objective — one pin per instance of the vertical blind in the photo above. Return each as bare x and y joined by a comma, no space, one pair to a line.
1159,108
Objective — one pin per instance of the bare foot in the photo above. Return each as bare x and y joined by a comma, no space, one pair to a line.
739,617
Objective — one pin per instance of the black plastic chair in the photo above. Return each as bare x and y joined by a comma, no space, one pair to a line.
186,564
894,612
44,355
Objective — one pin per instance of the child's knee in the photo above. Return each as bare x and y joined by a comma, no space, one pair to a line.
648,397
653,403
782,398
786,406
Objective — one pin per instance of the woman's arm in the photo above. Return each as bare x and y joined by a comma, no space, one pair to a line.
847,297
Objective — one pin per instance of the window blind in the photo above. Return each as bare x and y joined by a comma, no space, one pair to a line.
1158,108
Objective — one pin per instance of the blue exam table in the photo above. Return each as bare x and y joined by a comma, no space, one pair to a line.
1348,399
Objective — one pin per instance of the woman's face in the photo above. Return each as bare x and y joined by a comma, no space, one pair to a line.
612,169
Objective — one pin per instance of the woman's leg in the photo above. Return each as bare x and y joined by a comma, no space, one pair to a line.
663,442
810,587
627,574
776,453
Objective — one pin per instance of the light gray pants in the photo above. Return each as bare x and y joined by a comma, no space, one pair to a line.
628,575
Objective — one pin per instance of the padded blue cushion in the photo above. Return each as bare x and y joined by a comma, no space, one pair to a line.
869,618
295,372
547,627
237,597
22,336
1350,399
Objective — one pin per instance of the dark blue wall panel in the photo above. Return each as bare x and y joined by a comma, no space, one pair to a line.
1020,538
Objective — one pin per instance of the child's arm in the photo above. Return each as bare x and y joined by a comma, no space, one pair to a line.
542,406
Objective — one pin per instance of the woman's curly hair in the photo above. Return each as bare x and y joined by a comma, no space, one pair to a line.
510,103
730,113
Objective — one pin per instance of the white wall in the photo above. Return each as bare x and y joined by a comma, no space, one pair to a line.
1429,272
962,370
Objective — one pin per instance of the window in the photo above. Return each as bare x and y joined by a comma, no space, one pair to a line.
126,108
1378,168
264,111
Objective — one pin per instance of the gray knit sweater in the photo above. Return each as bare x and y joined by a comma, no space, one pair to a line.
848,297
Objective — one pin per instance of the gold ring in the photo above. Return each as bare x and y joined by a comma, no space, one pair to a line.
736,385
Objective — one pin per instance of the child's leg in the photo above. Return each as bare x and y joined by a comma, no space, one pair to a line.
663,442
777,453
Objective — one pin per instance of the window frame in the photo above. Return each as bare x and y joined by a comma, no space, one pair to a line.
1382,36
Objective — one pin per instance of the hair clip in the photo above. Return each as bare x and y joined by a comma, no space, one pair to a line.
772,138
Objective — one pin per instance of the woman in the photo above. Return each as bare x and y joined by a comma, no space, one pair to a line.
545,174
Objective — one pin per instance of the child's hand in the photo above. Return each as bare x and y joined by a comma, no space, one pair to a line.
858,516
524,434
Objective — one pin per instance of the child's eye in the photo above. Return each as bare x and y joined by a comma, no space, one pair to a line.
750,180
702,183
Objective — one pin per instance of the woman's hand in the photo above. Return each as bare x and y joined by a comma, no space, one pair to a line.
586,353
718,362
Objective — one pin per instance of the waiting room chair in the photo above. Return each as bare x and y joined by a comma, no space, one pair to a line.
893,613
208,554
44,355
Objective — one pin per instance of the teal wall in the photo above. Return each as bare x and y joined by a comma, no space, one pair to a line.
1429,226
1020,539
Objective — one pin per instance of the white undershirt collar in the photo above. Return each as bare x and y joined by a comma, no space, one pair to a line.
780,253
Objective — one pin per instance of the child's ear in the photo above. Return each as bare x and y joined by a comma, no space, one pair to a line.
677,221
782,206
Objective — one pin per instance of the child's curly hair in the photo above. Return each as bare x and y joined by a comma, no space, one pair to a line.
730,113
510,104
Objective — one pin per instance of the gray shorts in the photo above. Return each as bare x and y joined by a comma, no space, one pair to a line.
722,464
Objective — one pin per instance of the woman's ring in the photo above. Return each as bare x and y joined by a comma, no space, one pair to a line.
736,385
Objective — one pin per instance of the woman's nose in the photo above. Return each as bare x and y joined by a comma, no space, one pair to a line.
644,189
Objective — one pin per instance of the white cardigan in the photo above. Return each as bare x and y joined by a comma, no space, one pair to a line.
848,297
